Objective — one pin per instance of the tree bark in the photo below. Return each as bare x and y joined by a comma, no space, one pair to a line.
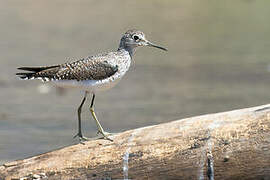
229,145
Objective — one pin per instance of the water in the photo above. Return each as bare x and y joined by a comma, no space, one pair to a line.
218,60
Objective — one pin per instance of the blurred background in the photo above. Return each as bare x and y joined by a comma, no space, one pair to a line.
218,60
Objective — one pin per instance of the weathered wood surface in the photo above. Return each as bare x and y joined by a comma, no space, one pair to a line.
229,145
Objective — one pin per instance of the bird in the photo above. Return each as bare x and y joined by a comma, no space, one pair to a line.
92,74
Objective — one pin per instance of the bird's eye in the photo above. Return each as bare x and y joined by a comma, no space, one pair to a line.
135,37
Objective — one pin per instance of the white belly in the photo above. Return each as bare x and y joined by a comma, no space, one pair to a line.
91,86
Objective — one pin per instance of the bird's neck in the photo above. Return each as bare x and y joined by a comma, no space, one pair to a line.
129,49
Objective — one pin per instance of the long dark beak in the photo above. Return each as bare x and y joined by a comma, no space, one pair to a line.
156,46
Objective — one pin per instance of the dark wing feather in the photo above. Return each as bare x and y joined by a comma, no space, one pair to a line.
37,69
38,72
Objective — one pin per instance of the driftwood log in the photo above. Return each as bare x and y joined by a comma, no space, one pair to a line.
229,145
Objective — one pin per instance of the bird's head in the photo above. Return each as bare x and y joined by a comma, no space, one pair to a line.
133,39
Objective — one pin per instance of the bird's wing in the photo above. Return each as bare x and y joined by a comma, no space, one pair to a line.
84,69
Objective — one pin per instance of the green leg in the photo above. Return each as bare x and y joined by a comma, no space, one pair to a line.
79,134
100,129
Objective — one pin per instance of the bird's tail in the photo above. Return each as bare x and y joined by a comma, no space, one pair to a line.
34,72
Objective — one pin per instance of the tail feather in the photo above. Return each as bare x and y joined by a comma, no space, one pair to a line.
34,72
25,75
37,69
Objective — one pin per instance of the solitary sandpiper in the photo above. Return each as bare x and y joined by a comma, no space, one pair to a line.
92,74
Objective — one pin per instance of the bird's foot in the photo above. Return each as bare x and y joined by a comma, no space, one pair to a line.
81,137
105,135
